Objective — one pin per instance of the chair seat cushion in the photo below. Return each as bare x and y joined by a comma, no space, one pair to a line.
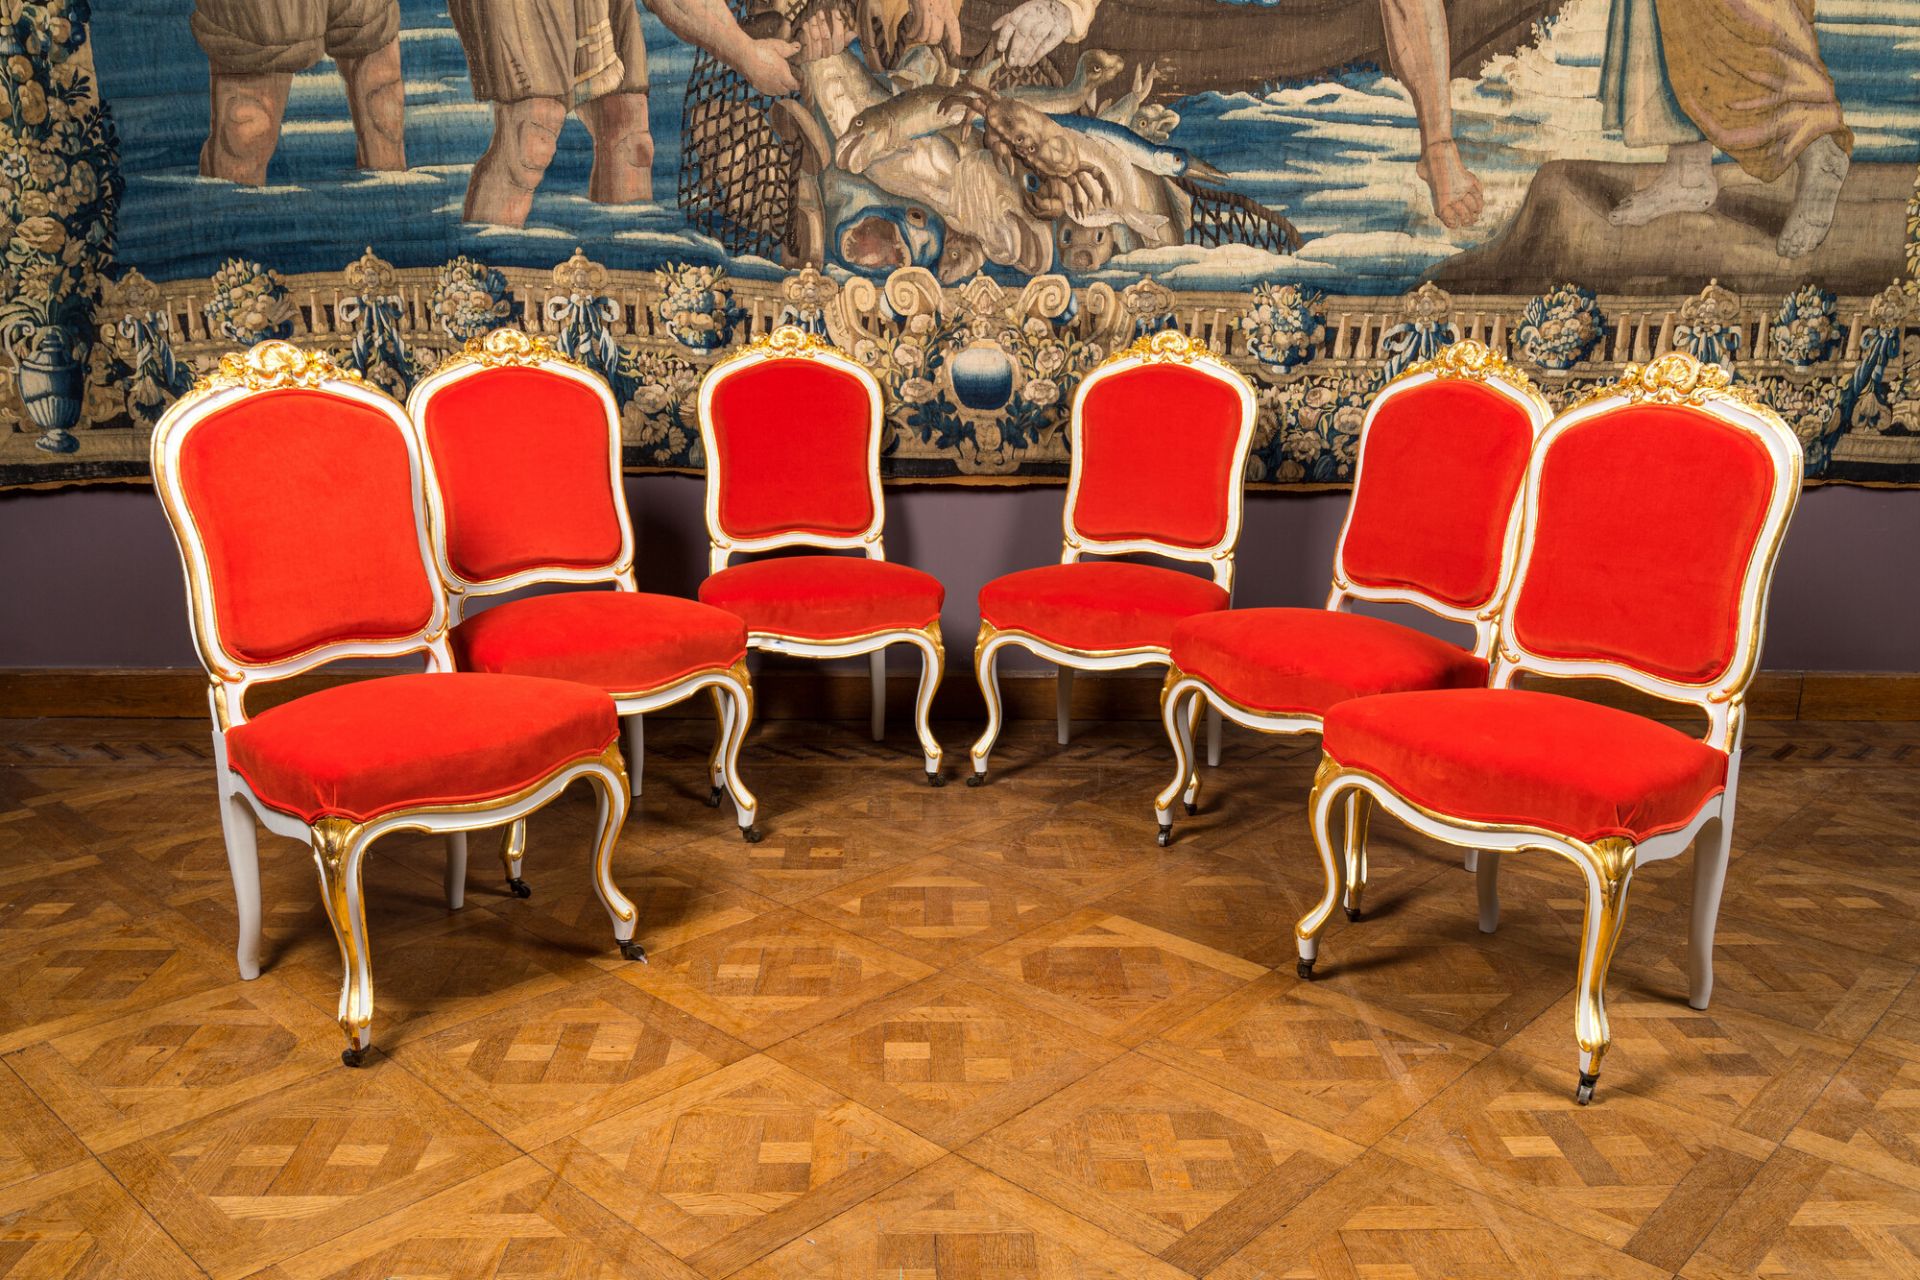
826,597
1099,605
400,742
1303,661
626,642
1521,758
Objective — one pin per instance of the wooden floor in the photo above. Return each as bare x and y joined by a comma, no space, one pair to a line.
949,1033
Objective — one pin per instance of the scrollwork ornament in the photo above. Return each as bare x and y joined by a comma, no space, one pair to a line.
275,365
508,346
1674,378
1166,346
1470,360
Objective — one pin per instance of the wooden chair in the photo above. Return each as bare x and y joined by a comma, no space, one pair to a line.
498,530
1654,511
295,496
792,430
1159,435
1433,522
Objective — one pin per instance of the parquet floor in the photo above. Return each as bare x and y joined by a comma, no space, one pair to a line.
923,1033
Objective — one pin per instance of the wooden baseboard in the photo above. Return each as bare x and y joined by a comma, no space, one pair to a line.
804,691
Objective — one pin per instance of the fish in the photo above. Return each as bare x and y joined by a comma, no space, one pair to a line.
1157,158
1093,69
875,231
886,127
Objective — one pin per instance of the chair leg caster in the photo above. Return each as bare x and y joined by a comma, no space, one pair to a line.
936,779
977,780
1192,808
519,888
354,1057
1583,1093
750,834
1353,913
633,950
714,797
1163,837
1305,969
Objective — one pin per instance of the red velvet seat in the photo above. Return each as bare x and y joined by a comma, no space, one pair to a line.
1654,512
1099,605
826,597
502,531
626,642
1303,661
792,430
1525,758
1438,471
1159,436
296,496
365,749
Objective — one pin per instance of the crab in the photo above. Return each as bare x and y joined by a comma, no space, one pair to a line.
1022,137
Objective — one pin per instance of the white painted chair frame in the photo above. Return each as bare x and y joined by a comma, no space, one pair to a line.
340,845
1607,865
1183,694
789,342
732,690
1167,346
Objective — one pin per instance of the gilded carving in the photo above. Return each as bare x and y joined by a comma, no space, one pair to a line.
273,365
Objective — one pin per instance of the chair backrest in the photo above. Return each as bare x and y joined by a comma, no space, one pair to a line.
294,492
1655,508
1435,515
1160,434
522,455
792,433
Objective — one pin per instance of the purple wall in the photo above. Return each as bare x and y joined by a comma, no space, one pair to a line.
89,577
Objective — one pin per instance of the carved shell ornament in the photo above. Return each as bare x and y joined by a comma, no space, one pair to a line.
1675,378
273,365
511,347
787,341
1471,361
1167,346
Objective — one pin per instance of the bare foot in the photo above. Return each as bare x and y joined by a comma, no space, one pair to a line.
1457,201
1685,185
1823,167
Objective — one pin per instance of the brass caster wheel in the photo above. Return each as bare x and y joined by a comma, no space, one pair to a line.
354,1057
633,950
1353,913
1192,808
936,779
1163,837
750,834
1583,1093
713,797
977,780
519,888
1305,969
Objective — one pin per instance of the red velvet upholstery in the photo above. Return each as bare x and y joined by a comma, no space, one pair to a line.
622,641
826,597
305,503
1530,759
504,515
1303,661
1440,467
1099,604
1132,483
793,444
361,750
1648,519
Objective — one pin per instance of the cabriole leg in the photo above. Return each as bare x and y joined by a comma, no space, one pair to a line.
1354,848
735,719
986,660
337,852
1320,805
1063,706
633,735
513,847
1609,870
933,667
1487,885
1176,721
1711,850
610,790
723,705
243,863
456,873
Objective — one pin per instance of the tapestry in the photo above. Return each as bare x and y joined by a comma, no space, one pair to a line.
980,199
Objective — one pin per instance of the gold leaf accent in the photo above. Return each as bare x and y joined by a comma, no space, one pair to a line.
501,347
1674,378
1472,361
1166,346
273,365
789,340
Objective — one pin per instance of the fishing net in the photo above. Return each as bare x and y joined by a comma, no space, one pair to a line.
1227,217
736,172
